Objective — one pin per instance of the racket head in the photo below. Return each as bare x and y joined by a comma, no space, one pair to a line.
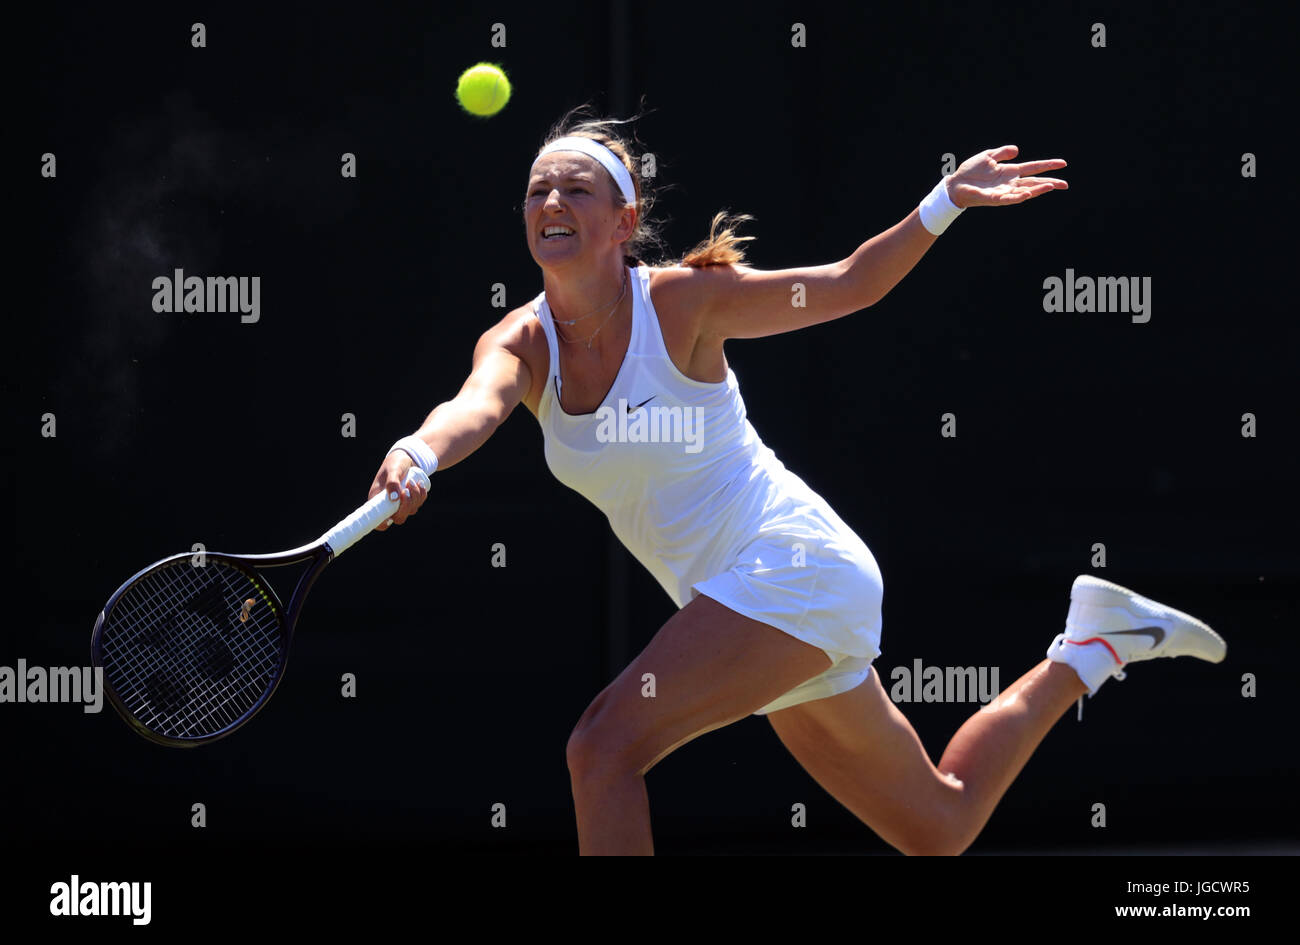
186,658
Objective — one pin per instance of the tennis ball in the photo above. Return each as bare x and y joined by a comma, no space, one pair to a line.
483,89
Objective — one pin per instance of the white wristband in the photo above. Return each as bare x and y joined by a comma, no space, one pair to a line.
419,452
937,209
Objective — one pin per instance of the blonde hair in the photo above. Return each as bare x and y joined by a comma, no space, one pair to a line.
722,248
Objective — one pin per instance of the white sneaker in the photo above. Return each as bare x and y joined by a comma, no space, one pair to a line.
1109,626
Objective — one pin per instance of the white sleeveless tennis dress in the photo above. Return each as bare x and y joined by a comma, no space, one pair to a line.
696,497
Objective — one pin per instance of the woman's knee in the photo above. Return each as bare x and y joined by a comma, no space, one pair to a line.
933,840
604,744
939,828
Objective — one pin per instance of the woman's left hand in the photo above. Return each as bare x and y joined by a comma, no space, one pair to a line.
981,181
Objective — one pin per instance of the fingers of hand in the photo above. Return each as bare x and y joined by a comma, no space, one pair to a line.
1024,191
410,499
1030,168
1013,192
1033,186
389,482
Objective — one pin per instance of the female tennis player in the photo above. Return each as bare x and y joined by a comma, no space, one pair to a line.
779,601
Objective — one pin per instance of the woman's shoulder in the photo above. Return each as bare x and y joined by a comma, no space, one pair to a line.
520,333
672,291
670,278
679,294
517,327
684,290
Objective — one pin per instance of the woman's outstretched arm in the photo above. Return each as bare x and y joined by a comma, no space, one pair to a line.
498,381
739,302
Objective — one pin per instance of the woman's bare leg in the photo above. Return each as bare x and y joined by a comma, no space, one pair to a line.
711,667
865,753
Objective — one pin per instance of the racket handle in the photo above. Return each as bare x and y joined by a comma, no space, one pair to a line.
365,519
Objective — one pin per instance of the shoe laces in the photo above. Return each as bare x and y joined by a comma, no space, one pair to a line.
1118,674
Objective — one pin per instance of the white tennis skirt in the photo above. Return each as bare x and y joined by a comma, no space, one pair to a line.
814,578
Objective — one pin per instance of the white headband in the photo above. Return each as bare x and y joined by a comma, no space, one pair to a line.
604,155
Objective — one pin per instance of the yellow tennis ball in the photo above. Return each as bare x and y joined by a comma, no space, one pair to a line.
483,89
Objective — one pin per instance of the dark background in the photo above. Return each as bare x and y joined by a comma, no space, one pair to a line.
1072,428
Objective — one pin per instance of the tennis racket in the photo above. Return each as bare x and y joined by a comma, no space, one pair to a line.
194,646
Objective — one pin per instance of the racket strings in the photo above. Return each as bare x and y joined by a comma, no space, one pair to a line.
186,653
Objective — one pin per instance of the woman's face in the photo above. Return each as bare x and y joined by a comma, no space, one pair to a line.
571,191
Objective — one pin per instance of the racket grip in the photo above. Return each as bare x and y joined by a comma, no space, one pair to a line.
365,519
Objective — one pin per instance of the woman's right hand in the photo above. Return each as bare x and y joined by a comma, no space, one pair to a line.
389,481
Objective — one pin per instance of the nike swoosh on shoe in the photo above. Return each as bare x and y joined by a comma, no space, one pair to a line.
1156,634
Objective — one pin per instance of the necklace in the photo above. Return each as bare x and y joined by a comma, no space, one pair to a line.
593,335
